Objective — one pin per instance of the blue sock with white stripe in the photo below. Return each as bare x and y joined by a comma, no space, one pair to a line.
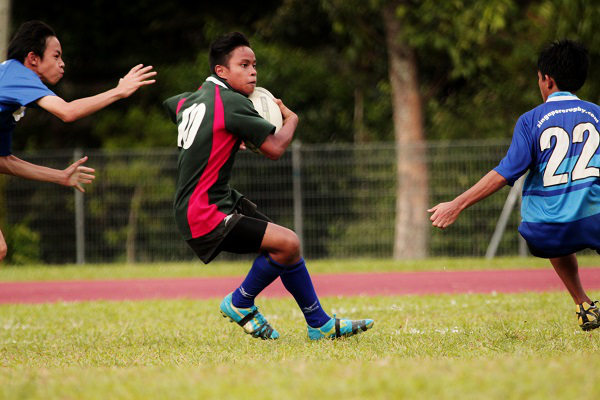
261,275
297,281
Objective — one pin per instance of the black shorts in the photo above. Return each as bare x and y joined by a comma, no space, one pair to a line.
241,232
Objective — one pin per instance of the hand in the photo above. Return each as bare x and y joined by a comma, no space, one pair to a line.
286,113
76,174
444,214
137,77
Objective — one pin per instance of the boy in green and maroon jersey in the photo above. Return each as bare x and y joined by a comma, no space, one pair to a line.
213,122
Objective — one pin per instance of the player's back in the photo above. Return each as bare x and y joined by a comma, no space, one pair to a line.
563,183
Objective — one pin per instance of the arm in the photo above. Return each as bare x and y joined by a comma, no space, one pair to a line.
74,175
444,214
76,109
274,145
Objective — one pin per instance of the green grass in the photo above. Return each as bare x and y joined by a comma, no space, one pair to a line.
197,269
445,347
517,346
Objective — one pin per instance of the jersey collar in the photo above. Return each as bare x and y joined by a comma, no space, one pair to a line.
560,96
217,81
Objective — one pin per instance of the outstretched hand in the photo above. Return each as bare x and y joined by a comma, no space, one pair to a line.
136,78
76,174
444,214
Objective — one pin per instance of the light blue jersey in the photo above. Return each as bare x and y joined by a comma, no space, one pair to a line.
558,142
19,87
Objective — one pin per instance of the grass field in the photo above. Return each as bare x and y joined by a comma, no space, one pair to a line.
518,346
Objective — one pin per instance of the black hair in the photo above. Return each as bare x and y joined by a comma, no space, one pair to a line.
567,62
221,48
30,37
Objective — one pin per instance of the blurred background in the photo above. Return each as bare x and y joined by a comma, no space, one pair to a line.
402,104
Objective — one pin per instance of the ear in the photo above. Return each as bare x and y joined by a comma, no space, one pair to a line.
32,60
222,71
550,83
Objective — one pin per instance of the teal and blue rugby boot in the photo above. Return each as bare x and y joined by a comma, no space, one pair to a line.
336,328
249,319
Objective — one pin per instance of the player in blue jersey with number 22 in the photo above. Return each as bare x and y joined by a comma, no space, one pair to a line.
558,142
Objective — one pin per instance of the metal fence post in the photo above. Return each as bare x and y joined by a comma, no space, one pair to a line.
512,198
79,218
523,250
297,190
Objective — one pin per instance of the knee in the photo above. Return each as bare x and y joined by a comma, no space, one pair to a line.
292,244
291,247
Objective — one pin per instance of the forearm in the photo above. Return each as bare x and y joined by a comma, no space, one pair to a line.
81,108
489,184
77,109
12,165
275,145
444,214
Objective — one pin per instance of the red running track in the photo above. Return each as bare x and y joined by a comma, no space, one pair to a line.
369,284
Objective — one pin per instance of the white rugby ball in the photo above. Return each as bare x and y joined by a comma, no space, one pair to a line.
264,103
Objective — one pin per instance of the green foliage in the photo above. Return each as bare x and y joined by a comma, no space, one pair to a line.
123,204
476,63
23,244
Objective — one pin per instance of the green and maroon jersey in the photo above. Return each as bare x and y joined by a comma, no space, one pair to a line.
211,122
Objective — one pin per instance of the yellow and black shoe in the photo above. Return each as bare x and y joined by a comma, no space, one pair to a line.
588,315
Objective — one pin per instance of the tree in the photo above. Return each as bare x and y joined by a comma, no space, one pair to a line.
4,27
411,187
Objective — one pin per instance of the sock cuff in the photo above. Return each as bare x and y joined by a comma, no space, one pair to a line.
283,266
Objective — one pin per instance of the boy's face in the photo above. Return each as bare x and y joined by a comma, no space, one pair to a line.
50,68
241,71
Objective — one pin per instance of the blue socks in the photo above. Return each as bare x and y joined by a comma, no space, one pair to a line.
296,280
261,275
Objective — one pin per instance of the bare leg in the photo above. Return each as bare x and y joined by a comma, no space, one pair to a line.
3,247
568,270
282,244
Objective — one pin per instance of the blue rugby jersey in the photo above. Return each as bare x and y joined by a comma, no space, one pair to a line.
559,143
19,87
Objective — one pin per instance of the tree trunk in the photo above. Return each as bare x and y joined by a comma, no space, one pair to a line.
412,184
132,225
4,27
360,134
4,37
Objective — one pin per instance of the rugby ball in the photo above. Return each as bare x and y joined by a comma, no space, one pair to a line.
264,103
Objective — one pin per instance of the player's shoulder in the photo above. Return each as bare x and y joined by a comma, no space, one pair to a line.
10,70
227,93
174,100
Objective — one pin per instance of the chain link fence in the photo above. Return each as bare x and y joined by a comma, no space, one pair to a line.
340,199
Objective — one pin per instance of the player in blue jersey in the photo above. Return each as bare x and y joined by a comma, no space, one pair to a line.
558,143
35,60
213,122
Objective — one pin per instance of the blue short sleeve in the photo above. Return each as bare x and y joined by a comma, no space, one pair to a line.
519,157
19,86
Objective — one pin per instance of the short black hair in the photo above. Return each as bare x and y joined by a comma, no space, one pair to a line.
221,48
567,62
30,37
